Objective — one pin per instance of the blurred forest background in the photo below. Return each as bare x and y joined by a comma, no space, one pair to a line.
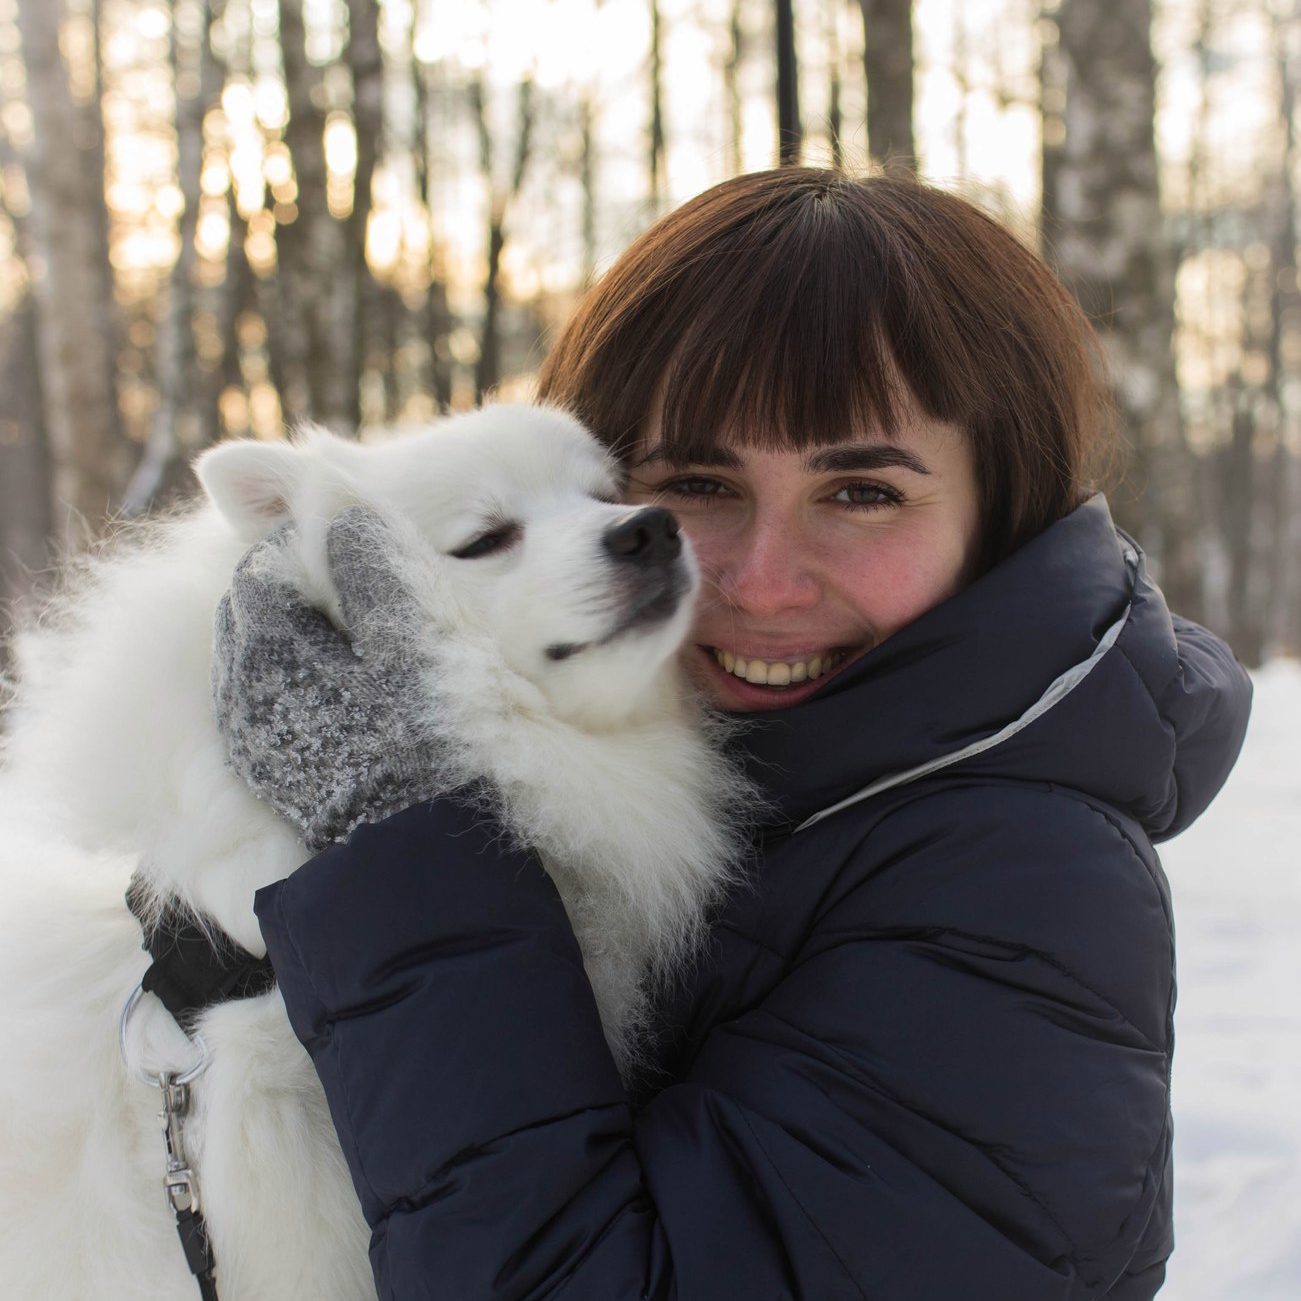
219,216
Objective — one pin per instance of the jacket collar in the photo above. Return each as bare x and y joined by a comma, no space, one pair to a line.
956,680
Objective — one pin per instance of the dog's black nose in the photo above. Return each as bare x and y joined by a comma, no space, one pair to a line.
650,537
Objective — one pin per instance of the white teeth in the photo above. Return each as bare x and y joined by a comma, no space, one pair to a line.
778,674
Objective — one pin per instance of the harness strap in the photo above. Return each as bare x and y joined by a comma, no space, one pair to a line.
195,967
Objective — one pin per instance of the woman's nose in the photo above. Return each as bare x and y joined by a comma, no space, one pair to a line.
766,571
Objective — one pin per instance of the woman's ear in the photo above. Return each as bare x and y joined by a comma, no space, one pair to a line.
251,483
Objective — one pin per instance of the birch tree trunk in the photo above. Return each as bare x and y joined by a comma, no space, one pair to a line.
75,314
655,154
1103,221
1283,570
240,291
587,180
487,371
25,499
888,66
325,285
317,282
434,320
835,115
790,133
732,86
962,76
1239,485
302,247
366,321
588,170
179,426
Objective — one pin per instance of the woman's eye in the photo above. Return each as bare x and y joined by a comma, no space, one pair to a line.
692,488
498,539
869,495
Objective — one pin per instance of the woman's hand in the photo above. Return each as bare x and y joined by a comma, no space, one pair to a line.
330,729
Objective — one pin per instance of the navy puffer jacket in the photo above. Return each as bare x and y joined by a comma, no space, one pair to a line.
927,1057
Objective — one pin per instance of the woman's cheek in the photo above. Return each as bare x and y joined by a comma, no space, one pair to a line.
898,578
708,540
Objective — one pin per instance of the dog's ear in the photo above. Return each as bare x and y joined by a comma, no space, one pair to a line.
251,483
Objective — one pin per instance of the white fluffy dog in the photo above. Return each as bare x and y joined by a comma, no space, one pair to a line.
113,766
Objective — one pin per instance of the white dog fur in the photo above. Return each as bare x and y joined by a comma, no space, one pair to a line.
112,765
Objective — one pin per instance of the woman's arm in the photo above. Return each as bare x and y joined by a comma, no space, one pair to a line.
958,1089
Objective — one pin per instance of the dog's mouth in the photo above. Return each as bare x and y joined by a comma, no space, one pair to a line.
648,610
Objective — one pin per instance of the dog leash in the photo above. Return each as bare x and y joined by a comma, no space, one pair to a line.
179,1183
193,968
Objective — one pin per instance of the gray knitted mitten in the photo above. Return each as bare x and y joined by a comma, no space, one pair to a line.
329,728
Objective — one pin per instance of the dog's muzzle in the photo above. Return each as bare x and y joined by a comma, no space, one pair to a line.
646,551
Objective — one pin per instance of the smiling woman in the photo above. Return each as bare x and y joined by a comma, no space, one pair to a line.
792,332
926,1052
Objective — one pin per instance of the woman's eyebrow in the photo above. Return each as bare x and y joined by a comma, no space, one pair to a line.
863,456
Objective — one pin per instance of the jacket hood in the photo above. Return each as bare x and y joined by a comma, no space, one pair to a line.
1060,665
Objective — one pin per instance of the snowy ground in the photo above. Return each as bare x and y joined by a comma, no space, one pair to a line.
1236,879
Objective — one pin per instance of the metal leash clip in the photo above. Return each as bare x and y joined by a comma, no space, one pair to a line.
179,1182
180,1077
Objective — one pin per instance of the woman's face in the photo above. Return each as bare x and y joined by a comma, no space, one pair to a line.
812,558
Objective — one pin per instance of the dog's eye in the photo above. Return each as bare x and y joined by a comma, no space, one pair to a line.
498,539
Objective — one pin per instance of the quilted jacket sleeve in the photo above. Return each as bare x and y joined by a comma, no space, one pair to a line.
959,1088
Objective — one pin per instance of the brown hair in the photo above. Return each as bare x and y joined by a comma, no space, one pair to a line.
783,308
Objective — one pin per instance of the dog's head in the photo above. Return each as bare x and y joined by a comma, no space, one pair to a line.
512,530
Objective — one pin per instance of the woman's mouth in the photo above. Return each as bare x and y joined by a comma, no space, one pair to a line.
779,673
761,682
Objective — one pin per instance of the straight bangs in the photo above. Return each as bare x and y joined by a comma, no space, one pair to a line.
788,348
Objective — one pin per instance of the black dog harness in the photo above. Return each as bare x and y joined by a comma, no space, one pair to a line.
194,967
